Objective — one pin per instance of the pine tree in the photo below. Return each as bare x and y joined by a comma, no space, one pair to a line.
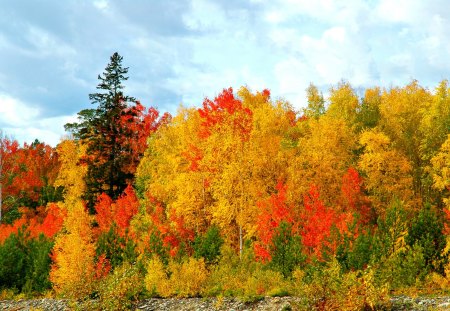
103,132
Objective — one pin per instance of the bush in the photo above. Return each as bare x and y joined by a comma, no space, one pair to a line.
230,275
426,231
327,288
208,246
286,250
121,288
403,269
116,248
25,263
181,279
156,280
187,278
264,282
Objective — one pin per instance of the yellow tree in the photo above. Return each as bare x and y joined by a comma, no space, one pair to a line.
321,157
343,103
247,161
441,171
387,171
402,111
434,127
72,270
316,102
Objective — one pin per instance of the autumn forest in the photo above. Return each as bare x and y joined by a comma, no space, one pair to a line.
344,202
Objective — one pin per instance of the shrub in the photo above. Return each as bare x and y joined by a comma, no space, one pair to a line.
208,246
187,278
25,262
426,231
231,273
121,288
327,288
156,280
285,250
403,269
264,282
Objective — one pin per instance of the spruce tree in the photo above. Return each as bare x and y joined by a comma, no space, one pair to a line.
100,128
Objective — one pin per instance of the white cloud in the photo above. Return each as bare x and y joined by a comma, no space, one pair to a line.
25,123
15,113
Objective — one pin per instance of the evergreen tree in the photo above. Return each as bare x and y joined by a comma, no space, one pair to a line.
104,133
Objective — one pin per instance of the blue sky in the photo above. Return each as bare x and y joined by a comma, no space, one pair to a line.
181,51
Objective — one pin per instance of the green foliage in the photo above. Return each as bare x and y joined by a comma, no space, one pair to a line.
11,215
38,264
208,246
390,236
13,261
357,254
401,270
426,231
101,129
25,262
286,250
117,248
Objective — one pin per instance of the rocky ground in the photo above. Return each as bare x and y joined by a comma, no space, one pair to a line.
269,303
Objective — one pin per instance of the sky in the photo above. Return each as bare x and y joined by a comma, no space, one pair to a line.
181,51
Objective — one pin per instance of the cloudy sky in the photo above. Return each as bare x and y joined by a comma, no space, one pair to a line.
180,51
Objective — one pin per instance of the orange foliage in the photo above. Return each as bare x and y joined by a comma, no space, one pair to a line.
353,198
104,215
171,229
103,267
318,222
273,211
119,212
47,221
225,109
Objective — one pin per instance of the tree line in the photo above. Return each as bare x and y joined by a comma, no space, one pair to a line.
341,202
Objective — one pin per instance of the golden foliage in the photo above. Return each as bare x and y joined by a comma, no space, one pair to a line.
388,172
187,278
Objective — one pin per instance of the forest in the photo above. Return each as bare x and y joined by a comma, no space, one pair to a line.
344,202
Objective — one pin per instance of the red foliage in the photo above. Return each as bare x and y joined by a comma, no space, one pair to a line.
273,211
24,171
104,214
171,230
317,221
225,110
53,221
102,267
139,124
48,221
125,208
353,198
119,212
193,155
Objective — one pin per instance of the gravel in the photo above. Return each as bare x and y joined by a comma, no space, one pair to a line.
398,303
